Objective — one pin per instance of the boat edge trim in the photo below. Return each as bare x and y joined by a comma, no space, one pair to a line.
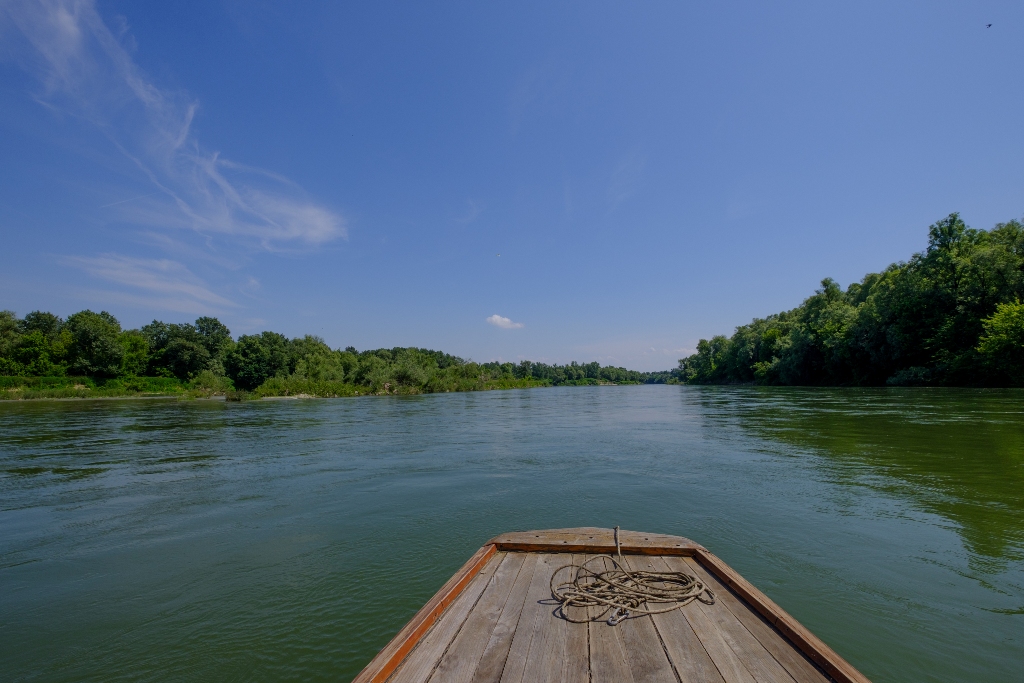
395,652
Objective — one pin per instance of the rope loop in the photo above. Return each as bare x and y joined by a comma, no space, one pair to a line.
622,593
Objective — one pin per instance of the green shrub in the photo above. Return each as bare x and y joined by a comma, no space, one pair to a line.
1002,343
211,382
300,386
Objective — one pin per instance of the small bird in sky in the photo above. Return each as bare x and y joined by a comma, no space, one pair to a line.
988,25
499,254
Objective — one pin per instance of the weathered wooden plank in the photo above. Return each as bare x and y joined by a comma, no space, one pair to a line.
812,646
730,667
576,666
460,661
788,655
729,664
389,658
682,634
495,654
594,540
757,660
607,656
536,610
688,656
418,666
546,657
645,653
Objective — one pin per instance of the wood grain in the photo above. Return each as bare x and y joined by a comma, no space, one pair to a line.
594,540
819,653
496,652
460,661
545,660
688,655
729,666
756,659
607,655
751,639
535,613
576,666
795,662
645,653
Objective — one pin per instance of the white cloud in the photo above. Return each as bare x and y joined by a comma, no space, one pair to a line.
169,284
86,71
503,322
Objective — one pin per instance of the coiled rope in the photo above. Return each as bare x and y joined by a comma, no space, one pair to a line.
622,592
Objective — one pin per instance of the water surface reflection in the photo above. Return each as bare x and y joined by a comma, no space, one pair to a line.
155,540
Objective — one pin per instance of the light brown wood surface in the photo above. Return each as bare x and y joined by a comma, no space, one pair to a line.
495,654
791,658
594,540
463,656
495,621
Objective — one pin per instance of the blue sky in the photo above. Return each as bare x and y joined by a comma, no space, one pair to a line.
650,173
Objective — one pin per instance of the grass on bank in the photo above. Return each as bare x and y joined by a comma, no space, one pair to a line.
207,385
295,386
23,388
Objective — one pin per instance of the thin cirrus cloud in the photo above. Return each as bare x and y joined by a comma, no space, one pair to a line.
167,284
86,71
503,322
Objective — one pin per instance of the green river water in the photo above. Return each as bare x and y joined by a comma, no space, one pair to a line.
154,540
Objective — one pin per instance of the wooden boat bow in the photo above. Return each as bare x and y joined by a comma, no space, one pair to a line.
445,640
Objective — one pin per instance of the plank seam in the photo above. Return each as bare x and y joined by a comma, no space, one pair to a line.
696,635
735,641
393,655
590,654
504,605
447,647
774,629
816,650
518,619
664,648
661,640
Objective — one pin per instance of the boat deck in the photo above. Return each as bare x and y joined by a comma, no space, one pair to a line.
501,625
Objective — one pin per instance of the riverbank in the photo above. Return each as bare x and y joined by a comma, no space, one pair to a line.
29,388
82,388
209,386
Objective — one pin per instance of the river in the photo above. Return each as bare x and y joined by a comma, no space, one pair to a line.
152,540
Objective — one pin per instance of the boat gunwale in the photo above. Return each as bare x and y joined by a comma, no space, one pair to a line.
599,541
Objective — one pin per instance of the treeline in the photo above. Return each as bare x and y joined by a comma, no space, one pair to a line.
204,356
952,315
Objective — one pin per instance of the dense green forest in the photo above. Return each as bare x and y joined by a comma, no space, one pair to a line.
950,316
90,354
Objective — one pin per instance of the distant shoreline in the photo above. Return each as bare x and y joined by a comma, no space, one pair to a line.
89,354
237,397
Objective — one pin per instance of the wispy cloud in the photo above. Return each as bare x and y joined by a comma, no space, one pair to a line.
542,87
169,285
503,322
626,177
86,70
473,211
